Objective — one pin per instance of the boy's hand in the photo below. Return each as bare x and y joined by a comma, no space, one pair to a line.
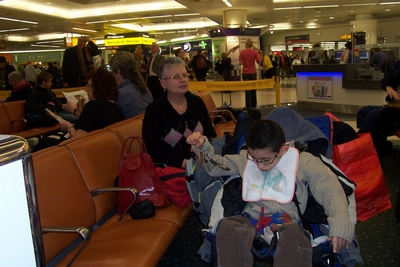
338,243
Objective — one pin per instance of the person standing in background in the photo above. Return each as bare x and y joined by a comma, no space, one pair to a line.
141,60
224,66
30,73
181,53
268,71
247,59
77,63
95,53
285,66
5,70
200,66
153,71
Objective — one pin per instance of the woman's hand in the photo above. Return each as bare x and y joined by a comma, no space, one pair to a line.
65,125
392,93
79,106
70,107
196,139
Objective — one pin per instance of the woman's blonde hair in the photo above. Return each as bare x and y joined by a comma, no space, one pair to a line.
249,43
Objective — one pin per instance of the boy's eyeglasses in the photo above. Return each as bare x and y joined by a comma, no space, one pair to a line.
178,76
261,161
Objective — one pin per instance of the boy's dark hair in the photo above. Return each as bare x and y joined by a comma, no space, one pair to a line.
3,59
265,134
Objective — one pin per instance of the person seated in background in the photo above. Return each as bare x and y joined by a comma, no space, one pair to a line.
176,114
388,119
99,112
272,173
40,98
181,53
21,88
134,96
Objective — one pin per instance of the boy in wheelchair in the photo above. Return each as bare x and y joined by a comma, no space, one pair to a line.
272,173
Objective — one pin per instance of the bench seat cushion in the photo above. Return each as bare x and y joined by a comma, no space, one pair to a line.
139,243
64,199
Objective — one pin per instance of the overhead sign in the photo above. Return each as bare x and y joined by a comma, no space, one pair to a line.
297,39
129,41
345,36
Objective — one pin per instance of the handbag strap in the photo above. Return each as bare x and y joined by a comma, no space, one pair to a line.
127,146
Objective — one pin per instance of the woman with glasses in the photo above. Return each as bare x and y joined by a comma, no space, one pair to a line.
273,172
170,119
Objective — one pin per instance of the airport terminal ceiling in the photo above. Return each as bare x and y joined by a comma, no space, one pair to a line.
38,22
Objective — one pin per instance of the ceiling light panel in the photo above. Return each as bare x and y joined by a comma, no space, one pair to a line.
90,12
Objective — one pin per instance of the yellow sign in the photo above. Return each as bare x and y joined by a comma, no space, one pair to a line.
128,41
345,36
232,85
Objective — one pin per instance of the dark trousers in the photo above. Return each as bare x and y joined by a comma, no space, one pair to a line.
388,122
201,75
251,95
227,75
367,117
155,86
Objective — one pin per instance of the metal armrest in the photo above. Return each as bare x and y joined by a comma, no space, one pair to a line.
223,114
117,189
82,231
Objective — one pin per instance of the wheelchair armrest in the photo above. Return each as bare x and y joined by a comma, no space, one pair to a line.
83,232
117,189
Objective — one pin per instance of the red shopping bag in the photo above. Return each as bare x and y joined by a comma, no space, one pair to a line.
174,182
359,161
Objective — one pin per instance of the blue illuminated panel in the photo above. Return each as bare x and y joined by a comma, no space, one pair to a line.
333,74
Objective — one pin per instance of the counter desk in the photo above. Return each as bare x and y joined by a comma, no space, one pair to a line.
336,87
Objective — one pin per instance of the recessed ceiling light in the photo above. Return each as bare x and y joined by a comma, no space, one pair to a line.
47,3
331,17
390,3
285,8
387,9
321,6
351,11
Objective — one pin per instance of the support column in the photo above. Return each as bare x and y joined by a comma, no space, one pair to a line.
365,23
235,18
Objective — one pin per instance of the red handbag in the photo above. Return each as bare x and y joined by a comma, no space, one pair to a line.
137,170
174,182
359,161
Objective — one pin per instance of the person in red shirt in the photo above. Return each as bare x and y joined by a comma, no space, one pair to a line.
248,58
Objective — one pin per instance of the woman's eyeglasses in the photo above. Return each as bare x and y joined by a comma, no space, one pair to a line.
261,161
178,76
